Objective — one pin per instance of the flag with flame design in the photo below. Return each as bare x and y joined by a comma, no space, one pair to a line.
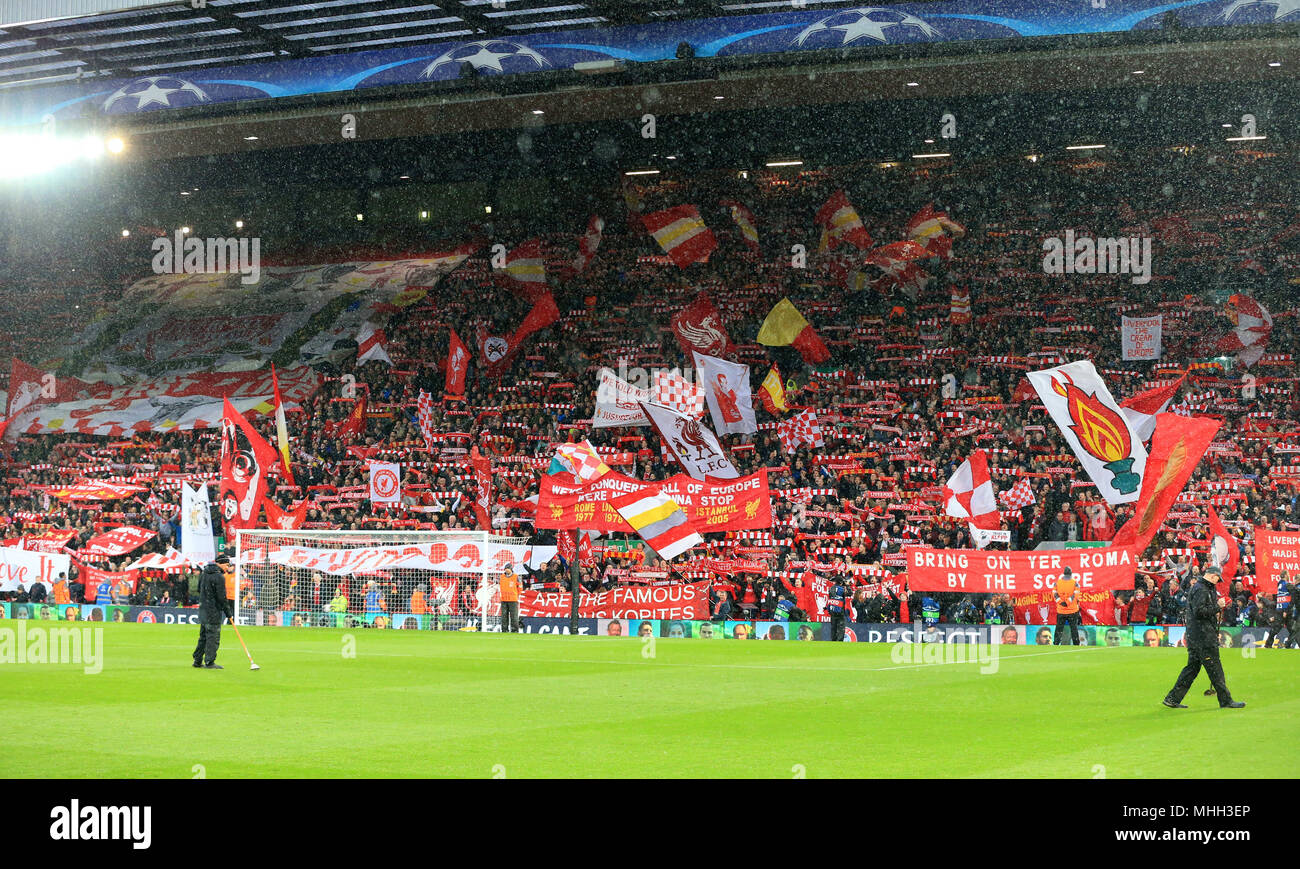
1092,423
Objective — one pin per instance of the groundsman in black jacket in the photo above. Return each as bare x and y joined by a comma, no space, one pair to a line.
1202,644
214,608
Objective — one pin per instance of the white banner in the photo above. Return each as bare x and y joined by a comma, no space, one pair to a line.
21,567
1096,429
1141,338
385,483
197,544
454,557
695,447
726,389
618,402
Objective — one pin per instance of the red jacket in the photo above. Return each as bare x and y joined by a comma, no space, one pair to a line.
1137,610
804,598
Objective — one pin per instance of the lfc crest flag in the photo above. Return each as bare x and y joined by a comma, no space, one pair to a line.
1095,428
245,459
695,447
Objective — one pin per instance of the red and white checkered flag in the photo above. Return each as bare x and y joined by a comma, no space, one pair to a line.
675,392
1019,496
424,416
802,428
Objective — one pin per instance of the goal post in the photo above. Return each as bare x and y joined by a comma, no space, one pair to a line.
404,580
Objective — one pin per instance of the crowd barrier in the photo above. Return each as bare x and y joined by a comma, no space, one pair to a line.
1015,635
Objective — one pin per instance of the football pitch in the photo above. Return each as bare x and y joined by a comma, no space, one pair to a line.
435,704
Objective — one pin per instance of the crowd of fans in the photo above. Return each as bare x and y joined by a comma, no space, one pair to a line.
891,436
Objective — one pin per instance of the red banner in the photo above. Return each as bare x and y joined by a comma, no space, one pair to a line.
734,505
51,541
1039,608
983,571
689,601
1275,551
93,576
119,541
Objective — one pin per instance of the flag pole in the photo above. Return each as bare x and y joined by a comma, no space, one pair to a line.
574,577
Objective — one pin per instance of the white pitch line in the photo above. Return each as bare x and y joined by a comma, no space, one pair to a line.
713,666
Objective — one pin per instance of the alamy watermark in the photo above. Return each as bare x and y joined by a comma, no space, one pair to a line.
184,254
98,823
933,647
38,644
1085,255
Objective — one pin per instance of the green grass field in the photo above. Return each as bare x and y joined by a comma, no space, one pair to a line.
468,705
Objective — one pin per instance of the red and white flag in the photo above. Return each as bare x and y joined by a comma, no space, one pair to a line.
1140,410
802,428
840,224
727,391
457,365
385,483
589,243
744,222
1253,325
968,494
682,234
959,312
673,391
370,344
482,466
1019,496
424,418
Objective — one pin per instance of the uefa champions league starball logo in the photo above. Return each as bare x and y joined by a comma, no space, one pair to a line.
870,22
154,92
489,55
1256,11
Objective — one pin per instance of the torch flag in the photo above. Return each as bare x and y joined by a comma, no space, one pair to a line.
1094,425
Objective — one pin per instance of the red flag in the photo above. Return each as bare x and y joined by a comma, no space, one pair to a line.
589,243
482,466
525,270
457,365
500,352
354,424
1223,551
283,519
245,459
565,546
586,553
698,327
1176,447
682,234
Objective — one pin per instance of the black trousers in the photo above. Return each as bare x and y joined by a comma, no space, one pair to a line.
509,616
837,627
1275,627
1198,657
1063,619
209,639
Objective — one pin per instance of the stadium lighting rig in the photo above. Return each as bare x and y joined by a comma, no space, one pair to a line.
25,155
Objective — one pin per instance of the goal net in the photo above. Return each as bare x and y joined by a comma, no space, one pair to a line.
404,580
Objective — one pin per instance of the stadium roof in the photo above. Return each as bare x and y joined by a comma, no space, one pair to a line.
45,41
